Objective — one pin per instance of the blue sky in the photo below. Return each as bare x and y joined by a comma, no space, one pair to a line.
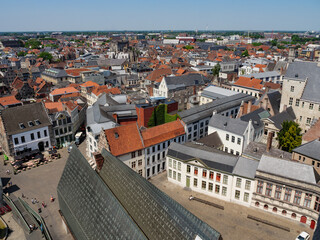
76,15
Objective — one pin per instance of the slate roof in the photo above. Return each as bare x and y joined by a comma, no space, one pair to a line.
310,149
117,203
215,92
306,70
287,115
12,117
246,167
54,72
288,169
180,82
232,125
205,111
255,116
274,100
211,140
213,159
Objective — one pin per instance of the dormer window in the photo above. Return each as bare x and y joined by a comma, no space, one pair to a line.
31,124
37,122
22,126
116,135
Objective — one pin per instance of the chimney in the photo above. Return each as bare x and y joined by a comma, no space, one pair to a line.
269,141
284,107
194,90
99,160
249,106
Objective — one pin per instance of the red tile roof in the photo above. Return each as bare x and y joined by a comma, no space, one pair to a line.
124,139
104,89
249,83
9,100
161,133
159,73
77,71
62,91
89,84
54,106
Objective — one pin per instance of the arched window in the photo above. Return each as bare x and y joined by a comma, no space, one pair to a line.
274,209
293,215
257,204
265,207
284,212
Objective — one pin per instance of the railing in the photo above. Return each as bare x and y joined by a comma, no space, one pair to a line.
45,230
16,210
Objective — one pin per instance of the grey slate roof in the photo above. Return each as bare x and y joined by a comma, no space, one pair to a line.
288,169
211,140
274,100
12,117
263,74
219,105
287,115
309,149
117,203
181,82
255,116
303,71
232,125
246,167
214,92
213,159
54,72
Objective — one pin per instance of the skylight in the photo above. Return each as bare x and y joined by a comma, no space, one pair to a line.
31,124
22,126
37,122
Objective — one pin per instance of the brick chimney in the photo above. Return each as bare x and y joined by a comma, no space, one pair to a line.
269,141
249,106
99,160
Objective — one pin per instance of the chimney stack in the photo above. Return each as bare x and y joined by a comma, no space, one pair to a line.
249,106
269,141
99,160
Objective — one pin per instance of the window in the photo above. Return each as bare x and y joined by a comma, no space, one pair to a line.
140,172
246,197
297,197
133,164
204,185
188,168
211,175
204,173
227,137
148,172
225,179
174,164
231,151
313,163
195,182
158,156
269,189
23,139
39,135
179,177
195,171
153,158
139,152
159,147
238,183
31,124
260,187
308,120
133,154
140,162
233,139
164,145
170,173
174,176
290,101
153,149
237,153
239,141
163,154
287,194
277,193
237,194
32,136
317,204
148,151
210,187
218,177
224,191
292,89
226,149
217,189
16,141
22,126
170,162
307,200
248,185
297,102
311,106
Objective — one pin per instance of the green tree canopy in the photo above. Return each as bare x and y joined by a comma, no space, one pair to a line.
45,56
21,54
256,44
188,47
274,42
216,70
289,136
160,116
245,53
33,44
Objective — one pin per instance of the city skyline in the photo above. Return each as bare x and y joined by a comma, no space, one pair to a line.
142,15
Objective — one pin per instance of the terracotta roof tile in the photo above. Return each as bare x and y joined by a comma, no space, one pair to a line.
249,82
62,91
9,100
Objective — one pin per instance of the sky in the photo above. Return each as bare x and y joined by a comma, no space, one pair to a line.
105,15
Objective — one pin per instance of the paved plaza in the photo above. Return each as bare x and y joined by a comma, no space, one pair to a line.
232,222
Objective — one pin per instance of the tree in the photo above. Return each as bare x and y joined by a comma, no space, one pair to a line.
289,136
216,70
274,42
245,53
21,54
33,44
45,56
188,47
260,49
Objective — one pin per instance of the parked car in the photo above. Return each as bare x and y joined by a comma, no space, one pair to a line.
303,236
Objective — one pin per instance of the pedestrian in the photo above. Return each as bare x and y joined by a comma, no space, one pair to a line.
51,198
23,196
43,205
32,200
31,227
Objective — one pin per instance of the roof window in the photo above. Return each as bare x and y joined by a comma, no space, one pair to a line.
31,124
22,126
37,122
